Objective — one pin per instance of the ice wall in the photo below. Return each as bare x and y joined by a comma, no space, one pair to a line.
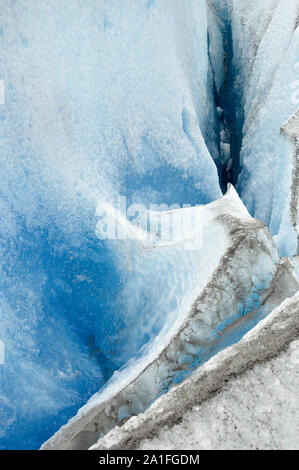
224,304
266,53
255,404
98,100
101,99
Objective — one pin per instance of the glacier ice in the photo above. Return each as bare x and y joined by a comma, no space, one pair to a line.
99,101
255,405
258,90
164,102
246,285
266,55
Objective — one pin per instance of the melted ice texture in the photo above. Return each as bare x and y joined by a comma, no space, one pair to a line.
104,99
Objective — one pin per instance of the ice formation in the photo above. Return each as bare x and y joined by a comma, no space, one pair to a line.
163,102
259,92
245,397
266,58
246,285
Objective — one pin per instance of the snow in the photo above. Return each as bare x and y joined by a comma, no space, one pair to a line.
100,101
265,36
245,397
237,291
295,263
258,410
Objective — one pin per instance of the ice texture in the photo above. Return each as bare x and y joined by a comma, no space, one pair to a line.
266,62
255,381
100,100
245,286
256,411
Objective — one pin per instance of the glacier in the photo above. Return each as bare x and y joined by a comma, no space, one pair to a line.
268,101
246,285
245,398
259,92
164,102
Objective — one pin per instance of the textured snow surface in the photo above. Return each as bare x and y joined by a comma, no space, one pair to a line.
243,398
266,62
246,286
258,410
100,100
97,101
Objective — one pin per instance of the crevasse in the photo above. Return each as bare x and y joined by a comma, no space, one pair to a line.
104,100
256,93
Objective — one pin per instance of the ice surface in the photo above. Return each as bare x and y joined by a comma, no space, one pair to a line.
256,87
256,380
245,275
99,100
258,410
266,54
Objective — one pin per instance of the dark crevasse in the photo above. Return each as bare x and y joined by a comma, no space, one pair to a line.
227,99
259,109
